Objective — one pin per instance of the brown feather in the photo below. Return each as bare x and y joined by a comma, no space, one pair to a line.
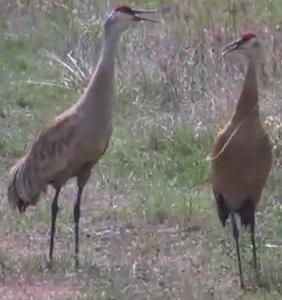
60,152
239,173
74,142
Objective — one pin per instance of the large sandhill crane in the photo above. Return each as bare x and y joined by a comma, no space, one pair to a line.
242,153
74,142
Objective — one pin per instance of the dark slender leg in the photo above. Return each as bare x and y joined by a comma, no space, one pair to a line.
236,237
54,211
76,215
252,227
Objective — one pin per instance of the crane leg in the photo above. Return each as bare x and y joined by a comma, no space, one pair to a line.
54,212
76,215
252,227
236,237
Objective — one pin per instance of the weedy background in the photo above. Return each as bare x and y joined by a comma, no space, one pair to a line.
149,228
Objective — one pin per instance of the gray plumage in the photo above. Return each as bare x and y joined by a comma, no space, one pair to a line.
75,141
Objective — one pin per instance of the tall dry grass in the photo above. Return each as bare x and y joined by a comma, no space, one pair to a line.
169,74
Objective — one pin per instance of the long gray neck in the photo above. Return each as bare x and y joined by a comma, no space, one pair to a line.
99,94
248,101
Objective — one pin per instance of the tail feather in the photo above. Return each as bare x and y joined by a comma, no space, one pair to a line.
23,189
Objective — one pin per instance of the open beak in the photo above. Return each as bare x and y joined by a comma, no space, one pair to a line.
232,46
137,12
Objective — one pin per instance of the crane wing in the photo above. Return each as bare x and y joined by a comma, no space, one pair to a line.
54,147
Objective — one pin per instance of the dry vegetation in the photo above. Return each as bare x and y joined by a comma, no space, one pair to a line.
149,229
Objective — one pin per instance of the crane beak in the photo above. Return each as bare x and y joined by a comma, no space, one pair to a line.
137,12
232,46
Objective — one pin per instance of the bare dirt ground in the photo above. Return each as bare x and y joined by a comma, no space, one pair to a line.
36,290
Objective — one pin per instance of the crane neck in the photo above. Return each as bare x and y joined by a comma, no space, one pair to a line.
248,101
107,58
97,100
104,72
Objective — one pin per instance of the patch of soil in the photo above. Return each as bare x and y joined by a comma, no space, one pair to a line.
35,290
12,244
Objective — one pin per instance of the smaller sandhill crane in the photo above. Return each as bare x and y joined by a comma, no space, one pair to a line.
75,141
242,154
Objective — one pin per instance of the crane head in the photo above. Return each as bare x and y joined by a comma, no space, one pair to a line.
247,44
123,16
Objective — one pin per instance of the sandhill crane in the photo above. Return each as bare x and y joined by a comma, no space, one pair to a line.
242,153
74,142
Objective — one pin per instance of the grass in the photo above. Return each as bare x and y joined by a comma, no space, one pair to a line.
149,228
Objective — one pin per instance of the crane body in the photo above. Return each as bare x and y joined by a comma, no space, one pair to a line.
74,142
242,153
